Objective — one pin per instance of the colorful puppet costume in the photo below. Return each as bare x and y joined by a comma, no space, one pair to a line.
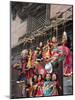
48,89
68,56
67,60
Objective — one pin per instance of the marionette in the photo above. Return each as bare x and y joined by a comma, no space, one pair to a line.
35,81
48,65
40,68
39,64
47,49
39,51
55,84
40,85
54,51
40,80
24,53
57,54
24,59
21,66
54,42
29,64
39,91
67,66
39,55
47,58
48,85
34,57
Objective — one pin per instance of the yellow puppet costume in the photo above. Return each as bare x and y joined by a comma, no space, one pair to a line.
29,64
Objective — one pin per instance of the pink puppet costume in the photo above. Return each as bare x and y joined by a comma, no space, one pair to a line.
24,59
39,91
40,86
40,64
68,56
40,68
67,60
34,56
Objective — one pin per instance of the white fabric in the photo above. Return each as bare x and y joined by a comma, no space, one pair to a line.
49,67
24,53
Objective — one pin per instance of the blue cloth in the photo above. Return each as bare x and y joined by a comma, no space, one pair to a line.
49,90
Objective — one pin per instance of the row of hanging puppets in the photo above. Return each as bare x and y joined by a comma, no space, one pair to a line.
50,52
43,61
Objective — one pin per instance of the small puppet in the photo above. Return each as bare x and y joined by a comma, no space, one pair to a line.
29,64
48,85
48,65
40,85
55,85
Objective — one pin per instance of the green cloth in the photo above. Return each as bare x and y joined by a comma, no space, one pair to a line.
61,59
49,37
54,63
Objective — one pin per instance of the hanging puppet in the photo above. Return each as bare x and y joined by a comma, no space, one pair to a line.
68,56
48,85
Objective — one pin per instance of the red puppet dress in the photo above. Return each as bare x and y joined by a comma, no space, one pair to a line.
67,60
40,91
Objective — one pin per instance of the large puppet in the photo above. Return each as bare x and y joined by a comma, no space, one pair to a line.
68,56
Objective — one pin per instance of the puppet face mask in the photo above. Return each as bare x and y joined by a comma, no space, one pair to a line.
48,76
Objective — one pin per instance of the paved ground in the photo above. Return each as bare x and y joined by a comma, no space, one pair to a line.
67,83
